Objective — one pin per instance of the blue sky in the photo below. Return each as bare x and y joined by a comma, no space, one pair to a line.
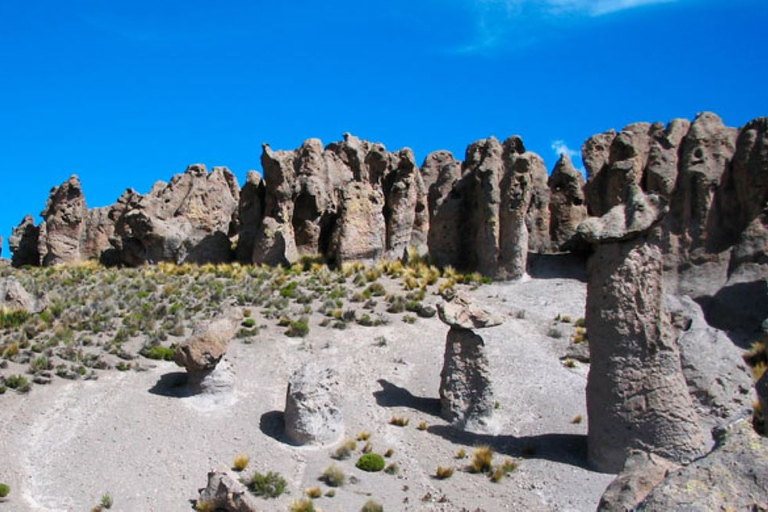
127,93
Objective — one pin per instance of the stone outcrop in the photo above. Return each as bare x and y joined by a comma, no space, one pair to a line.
224,492
761,387
466,390
352,200
313,406
642,472
201,353
63,225
186,220
637,397
250,213
734,476
717,376
713,178
14,297
24,243
566,205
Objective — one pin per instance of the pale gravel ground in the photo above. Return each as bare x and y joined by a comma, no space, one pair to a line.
66,444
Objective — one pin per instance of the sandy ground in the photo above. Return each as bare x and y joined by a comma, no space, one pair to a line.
127,434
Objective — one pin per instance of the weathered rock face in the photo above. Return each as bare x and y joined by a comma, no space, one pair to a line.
637,397
714,239
250,212
351,200
224,492
734,476
313,406
24,243
718,379
186,220
14,297
63,225
642,472
466,391
201,353
567,208
486,215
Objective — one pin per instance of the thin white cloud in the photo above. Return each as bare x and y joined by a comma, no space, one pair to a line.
561,148
518,23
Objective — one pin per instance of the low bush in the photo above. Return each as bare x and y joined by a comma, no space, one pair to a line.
371,462
372,506
399,421
482,458
303,505
345,450
241,462
333,476
442,473
4,490
160,352
18,382
298,328
270,485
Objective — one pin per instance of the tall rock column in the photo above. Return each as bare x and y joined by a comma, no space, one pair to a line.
637,397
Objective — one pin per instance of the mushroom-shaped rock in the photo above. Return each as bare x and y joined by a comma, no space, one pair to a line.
637,397
466,391
313,406
201,353
225,492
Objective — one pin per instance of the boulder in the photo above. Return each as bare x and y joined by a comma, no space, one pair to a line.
225,493
313,406
637,397
186,220
566,206
642,472
718,379
733,476
466,391
14,297
24,243
462,312
202,352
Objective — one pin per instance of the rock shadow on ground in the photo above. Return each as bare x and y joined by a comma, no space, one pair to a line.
392,395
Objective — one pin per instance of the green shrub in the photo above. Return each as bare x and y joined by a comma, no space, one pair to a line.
371,462
372,506
106,501
12,319
160,352
298,328
4,490
18,382
248,322
270,485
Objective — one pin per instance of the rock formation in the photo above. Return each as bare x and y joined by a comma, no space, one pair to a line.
201,353
224,492
734,476
717,377
642,472
186,220
713,178
466,391
637,397
566,206
14,297
313,406
250,212
24,243
761,387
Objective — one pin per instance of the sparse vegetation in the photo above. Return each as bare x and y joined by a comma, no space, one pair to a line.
270,485
443,472
5,490
422,425
461,454
333,476
399,421
344,451
313,492
303,505
363,435
372,506
482,459
241,462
